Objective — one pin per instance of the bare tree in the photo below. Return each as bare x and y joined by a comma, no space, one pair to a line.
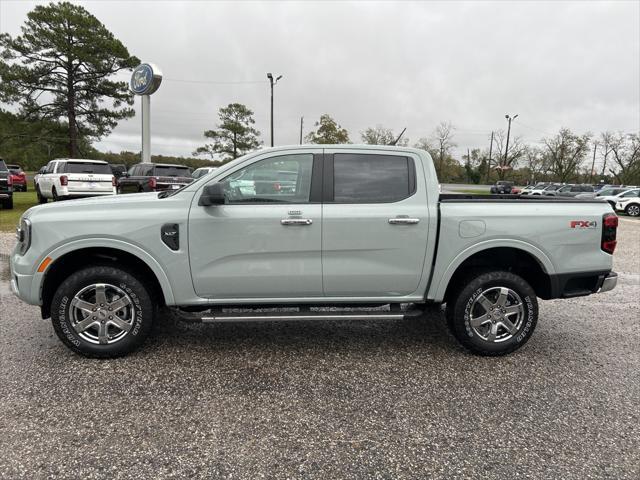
510,159
442,139
379,135
565,153
535,161
625,150
606,138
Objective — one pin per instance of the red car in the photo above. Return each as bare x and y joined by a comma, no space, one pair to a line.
18,177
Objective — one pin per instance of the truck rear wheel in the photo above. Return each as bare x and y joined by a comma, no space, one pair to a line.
493,313
102,311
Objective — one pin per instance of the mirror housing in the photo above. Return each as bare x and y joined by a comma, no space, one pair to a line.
212,195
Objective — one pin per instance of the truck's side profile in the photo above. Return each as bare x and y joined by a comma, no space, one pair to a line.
355,226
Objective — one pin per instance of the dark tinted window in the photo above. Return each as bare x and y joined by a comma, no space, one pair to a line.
87,167
362,178
171,171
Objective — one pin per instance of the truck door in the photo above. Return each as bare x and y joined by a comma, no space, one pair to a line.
264,242
375,224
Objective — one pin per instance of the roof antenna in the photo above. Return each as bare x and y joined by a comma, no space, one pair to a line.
399,136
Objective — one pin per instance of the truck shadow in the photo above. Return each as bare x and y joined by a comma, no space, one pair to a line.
428,330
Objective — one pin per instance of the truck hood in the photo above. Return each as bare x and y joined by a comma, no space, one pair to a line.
125,203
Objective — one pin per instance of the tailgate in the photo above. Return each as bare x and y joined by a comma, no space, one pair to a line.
172,183
90,182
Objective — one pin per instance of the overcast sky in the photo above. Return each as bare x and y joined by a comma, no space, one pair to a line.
397,64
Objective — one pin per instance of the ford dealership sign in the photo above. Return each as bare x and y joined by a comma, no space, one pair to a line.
146,79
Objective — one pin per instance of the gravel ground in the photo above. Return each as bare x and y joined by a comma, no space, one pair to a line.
331,399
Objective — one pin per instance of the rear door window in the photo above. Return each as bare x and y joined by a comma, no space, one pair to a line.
372,178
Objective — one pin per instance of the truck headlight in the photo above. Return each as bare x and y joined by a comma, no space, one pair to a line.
23,234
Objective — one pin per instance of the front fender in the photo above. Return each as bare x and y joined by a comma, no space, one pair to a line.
151,262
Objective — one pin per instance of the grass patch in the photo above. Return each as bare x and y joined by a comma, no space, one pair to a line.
21,201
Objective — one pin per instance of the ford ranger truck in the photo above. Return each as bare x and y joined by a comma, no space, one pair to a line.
362,229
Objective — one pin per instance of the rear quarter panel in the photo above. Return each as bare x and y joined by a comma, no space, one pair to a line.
543,229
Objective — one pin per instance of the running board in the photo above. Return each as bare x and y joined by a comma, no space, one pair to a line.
211,317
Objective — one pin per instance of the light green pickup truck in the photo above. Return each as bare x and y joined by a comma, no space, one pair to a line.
360,228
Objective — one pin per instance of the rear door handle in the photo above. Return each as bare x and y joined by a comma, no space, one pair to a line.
403,221
296,221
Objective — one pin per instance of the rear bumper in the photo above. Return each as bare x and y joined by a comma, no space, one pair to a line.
578,284
609,283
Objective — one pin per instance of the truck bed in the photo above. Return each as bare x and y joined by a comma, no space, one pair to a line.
463,197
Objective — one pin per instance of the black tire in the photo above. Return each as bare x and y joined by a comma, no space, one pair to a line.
141,310
24,188
633,210
41,199
462,307
8,204
54,195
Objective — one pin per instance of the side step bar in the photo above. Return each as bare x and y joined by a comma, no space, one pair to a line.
254,316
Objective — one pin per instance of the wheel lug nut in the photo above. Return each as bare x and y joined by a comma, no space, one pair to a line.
102,304
110,317
95,318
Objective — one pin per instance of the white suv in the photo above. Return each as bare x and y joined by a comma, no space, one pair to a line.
74,178
629,202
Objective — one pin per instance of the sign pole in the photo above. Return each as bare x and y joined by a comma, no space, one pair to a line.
145,80
146,128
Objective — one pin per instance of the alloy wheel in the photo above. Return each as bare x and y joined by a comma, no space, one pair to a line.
497,314
102,313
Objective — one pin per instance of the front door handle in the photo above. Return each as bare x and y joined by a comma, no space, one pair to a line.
296,221
403,221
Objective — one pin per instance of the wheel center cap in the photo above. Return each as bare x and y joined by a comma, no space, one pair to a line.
102,313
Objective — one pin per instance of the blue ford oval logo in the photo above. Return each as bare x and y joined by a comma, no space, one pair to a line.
142,79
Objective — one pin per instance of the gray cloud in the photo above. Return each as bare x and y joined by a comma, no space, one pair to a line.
398,64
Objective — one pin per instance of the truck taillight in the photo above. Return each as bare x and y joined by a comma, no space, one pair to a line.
114,181
153,182
609,228
64,181
9,181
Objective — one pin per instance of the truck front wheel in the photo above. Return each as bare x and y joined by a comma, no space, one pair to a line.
492,313
102,311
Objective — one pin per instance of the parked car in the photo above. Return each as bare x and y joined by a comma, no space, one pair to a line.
202,171
153,177
363,225
603,192
35,177
502,187
530,188
549,190
571,190
6,186
67,178
18,177
629,202
118,169
613,199
540,189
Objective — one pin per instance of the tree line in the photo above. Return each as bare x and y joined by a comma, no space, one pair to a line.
57,77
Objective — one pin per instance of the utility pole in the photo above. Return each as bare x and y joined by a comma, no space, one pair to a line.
593,162
489,165
301,125
272,82
506,150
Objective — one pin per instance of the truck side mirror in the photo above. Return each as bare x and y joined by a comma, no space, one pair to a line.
212,195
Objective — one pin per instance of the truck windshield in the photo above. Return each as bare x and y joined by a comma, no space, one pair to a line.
87,167
171,171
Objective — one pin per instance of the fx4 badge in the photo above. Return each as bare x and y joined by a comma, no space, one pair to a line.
583,224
